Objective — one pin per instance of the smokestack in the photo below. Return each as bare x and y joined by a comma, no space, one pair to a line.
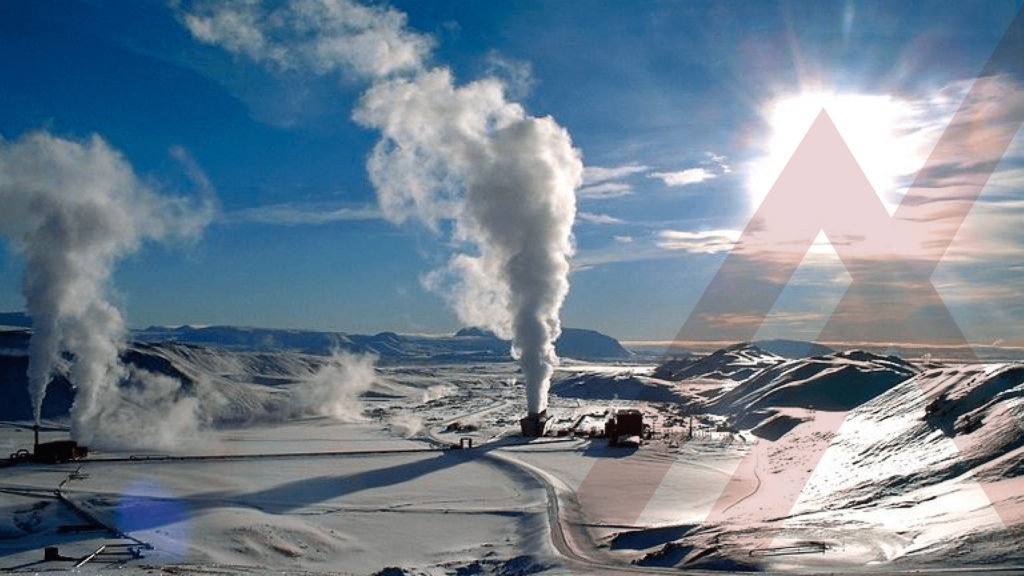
534,425
35,443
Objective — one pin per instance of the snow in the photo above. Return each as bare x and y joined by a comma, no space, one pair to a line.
360,512
864,460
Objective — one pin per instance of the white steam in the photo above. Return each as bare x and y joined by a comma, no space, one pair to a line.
73,209
405,424
155,411
507,180
148,410
463,154
335,389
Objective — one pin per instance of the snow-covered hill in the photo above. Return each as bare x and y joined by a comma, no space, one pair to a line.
735,363
753,382
868,457
227,386
835,382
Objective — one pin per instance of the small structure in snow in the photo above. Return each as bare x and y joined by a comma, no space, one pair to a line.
59,452
533,425
56,452
625,428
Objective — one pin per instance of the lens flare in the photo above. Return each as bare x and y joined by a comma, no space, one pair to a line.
882,132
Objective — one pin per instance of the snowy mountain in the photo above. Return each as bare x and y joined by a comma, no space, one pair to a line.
735,363
923,460
466,345
839,381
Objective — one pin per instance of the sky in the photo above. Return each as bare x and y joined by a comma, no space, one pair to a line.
684,114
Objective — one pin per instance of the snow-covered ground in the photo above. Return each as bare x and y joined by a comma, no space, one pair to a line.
850,461
394,502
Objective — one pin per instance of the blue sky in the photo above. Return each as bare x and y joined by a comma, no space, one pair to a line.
669,102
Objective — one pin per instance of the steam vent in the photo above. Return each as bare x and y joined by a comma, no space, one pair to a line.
533,424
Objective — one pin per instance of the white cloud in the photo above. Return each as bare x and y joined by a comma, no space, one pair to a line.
598,218
683,177
720,161
517,75
702,242
623,239
320,36
601,182
597,174
302,215
605,190
193,171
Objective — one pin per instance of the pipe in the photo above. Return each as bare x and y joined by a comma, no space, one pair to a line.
86,560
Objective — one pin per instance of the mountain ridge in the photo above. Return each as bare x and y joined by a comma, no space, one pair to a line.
467,344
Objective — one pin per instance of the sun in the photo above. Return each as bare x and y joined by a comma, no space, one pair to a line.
879,130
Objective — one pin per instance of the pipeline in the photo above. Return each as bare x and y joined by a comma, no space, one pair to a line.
92,518
278,456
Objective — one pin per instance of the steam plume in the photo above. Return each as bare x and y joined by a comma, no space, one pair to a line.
73,209
463,154
335,389
507,180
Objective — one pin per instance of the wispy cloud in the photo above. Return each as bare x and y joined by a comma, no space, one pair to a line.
301,214
618,252
720,161
700,242
601,182
605,190
713,166
756,320
610,181
193,170
664,244
598,218
597,174
516,75
320,36
683,177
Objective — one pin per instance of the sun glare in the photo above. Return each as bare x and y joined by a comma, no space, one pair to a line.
879,130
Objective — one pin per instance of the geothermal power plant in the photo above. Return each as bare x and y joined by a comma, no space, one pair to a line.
53,452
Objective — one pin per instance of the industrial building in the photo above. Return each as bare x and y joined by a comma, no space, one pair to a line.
56,452
625,427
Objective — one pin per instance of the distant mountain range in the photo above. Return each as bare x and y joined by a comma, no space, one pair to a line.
466,345
246,364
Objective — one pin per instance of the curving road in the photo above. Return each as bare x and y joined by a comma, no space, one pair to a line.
575,559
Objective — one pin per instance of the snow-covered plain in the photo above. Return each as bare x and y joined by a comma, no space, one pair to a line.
891,453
